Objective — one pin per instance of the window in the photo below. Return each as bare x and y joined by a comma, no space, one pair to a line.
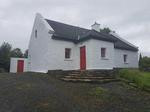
125,58
67,53
103,52
35,33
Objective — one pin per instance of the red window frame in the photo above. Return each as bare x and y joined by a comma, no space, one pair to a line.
67,53
125,58
103,52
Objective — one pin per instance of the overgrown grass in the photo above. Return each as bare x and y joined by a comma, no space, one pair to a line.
141,79
98,91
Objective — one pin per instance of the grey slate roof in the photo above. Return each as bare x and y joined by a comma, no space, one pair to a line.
77,34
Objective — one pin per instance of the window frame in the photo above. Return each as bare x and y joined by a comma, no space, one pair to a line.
67,53
125,58
103,52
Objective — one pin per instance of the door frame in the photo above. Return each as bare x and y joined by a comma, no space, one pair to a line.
20,65
83,58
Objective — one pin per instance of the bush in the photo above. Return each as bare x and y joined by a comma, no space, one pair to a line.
141,79
144,63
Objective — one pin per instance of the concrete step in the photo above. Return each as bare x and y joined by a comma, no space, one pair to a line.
86,77
88,74
74,74
89,80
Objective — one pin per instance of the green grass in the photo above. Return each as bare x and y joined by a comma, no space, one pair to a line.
98,91
141,79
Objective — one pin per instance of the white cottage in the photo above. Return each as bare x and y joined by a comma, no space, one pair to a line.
58,46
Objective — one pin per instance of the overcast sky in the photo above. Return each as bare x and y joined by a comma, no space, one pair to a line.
129,18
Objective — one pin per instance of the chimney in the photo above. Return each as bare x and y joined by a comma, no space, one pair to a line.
96,27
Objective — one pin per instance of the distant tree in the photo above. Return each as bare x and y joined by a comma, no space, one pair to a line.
105,30
16,53
145,63
140,61
5,52
25,55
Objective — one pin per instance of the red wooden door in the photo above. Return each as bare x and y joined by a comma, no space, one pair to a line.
82,58
20,65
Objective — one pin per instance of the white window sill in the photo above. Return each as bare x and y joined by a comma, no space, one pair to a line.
104,58
126,63
67,59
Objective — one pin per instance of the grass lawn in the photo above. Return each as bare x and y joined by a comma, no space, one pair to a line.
141,79
36,92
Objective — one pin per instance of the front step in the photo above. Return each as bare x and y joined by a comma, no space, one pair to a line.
90,80
74,74
87,77
103,73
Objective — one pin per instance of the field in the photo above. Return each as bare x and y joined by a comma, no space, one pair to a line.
37,92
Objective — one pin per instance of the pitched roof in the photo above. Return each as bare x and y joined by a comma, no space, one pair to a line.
66,31
76,34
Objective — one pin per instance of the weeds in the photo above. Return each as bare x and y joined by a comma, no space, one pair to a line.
141,79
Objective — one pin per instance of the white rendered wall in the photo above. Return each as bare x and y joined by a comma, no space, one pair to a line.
14,62
132,59
88,49
48,54
56,55
94,60
38,47
93,55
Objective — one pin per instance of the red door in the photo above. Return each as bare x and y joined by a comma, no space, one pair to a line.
20,65
82,58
